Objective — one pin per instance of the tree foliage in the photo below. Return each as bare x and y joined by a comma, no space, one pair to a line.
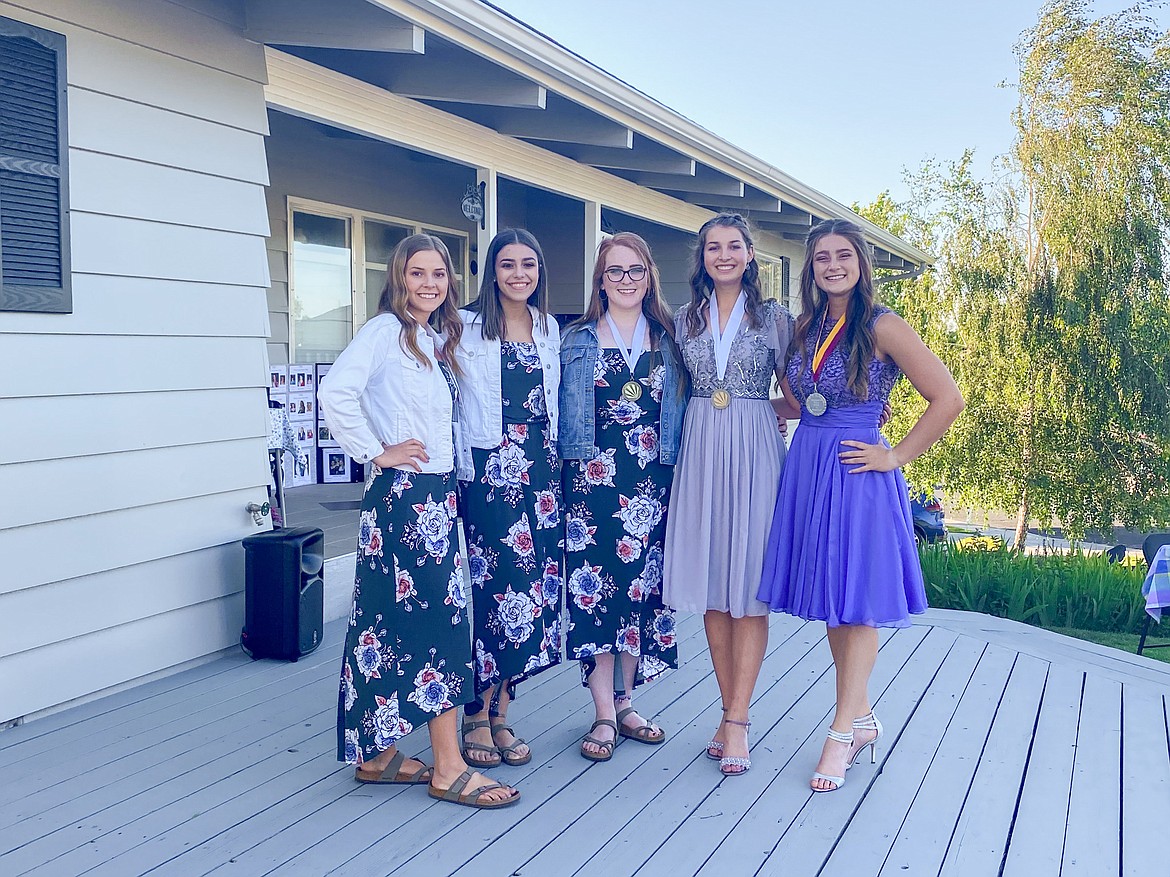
1050,299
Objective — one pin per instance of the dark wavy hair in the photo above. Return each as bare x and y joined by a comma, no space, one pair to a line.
393,300
703,285
858,343
487,304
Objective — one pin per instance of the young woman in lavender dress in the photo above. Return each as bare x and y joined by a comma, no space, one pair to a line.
733,343
842,545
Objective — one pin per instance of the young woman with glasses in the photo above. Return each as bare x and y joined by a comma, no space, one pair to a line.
622,398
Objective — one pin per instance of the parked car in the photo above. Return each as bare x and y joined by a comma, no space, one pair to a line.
927,513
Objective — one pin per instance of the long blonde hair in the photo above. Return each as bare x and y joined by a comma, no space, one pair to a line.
394,298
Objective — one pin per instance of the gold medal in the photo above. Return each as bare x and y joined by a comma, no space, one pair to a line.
631,391
720,399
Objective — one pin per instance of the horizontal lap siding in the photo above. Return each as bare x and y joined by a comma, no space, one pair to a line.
136,426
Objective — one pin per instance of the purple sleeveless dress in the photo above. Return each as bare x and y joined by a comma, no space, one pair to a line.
842,546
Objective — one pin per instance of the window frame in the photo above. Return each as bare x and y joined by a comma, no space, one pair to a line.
38,298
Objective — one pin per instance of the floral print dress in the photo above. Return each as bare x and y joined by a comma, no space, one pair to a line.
407,651
512,511
615,525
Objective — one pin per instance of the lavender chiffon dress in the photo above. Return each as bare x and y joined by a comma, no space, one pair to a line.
842,546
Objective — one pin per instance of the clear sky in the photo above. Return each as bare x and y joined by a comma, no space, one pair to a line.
841,94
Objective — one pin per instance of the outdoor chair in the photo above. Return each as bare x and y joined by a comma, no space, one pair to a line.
1150,548
1116,554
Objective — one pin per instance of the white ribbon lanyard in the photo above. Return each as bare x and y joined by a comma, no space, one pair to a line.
631,355
723,340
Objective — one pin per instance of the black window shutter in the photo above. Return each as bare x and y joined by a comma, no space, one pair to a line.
34,226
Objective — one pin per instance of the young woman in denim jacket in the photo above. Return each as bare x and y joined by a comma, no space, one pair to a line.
622,399
389,400
510,373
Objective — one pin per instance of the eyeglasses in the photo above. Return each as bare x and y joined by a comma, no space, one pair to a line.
615,274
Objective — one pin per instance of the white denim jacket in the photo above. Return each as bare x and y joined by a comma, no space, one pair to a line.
481,403
377,392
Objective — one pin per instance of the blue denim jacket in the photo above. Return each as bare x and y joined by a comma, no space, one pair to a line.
578,415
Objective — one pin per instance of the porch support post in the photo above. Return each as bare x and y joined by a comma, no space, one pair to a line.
593,239
485,177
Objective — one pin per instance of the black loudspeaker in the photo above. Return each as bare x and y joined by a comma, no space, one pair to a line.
284,593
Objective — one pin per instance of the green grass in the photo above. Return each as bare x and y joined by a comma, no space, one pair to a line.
1124,642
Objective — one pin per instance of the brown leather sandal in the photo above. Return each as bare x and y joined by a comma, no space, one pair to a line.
469,747
456,795
508,753
643,733
606,745
393,774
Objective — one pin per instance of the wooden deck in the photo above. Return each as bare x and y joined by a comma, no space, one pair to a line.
1008,751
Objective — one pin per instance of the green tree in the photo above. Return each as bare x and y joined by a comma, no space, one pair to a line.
1050,300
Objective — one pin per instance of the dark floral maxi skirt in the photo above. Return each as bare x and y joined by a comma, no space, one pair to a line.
407,652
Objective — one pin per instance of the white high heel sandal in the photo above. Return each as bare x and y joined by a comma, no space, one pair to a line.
868,722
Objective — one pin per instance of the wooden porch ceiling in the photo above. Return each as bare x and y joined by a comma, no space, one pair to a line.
367,41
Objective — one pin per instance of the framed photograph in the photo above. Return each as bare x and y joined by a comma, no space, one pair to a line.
325,437
301,406
277,376
334,466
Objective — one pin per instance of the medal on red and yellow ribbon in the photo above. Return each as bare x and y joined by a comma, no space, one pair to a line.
815,403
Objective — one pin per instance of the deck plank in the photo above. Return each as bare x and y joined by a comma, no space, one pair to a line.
975,847
555,806
1036,845
259,838
1145,782
1092,841
1005,746
667,836
920,843
851,816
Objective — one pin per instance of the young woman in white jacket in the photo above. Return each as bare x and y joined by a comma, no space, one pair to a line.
509,361
390,400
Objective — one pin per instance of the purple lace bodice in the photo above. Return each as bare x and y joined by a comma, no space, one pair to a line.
832,385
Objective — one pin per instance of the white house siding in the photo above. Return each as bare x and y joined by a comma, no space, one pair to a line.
134,428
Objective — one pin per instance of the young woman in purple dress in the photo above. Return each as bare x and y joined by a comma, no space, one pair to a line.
842,545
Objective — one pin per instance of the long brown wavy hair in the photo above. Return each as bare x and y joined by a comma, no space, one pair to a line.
654,306
703,285
445,319
858,343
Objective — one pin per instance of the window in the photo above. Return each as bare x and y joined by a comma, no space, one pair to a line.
338,258
34,226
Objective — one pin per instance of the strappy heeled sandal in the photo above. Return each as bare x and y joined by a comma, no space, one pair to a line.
508,753
606,746
845,737
644,733
469,747
715,744
868,722
745,764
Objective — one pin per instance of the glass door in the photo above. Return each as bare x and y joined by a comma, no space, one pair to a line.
321,302
380,239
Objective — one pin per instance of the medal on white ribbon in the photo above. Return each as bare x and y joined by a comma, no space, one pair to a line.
631,389
722,341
